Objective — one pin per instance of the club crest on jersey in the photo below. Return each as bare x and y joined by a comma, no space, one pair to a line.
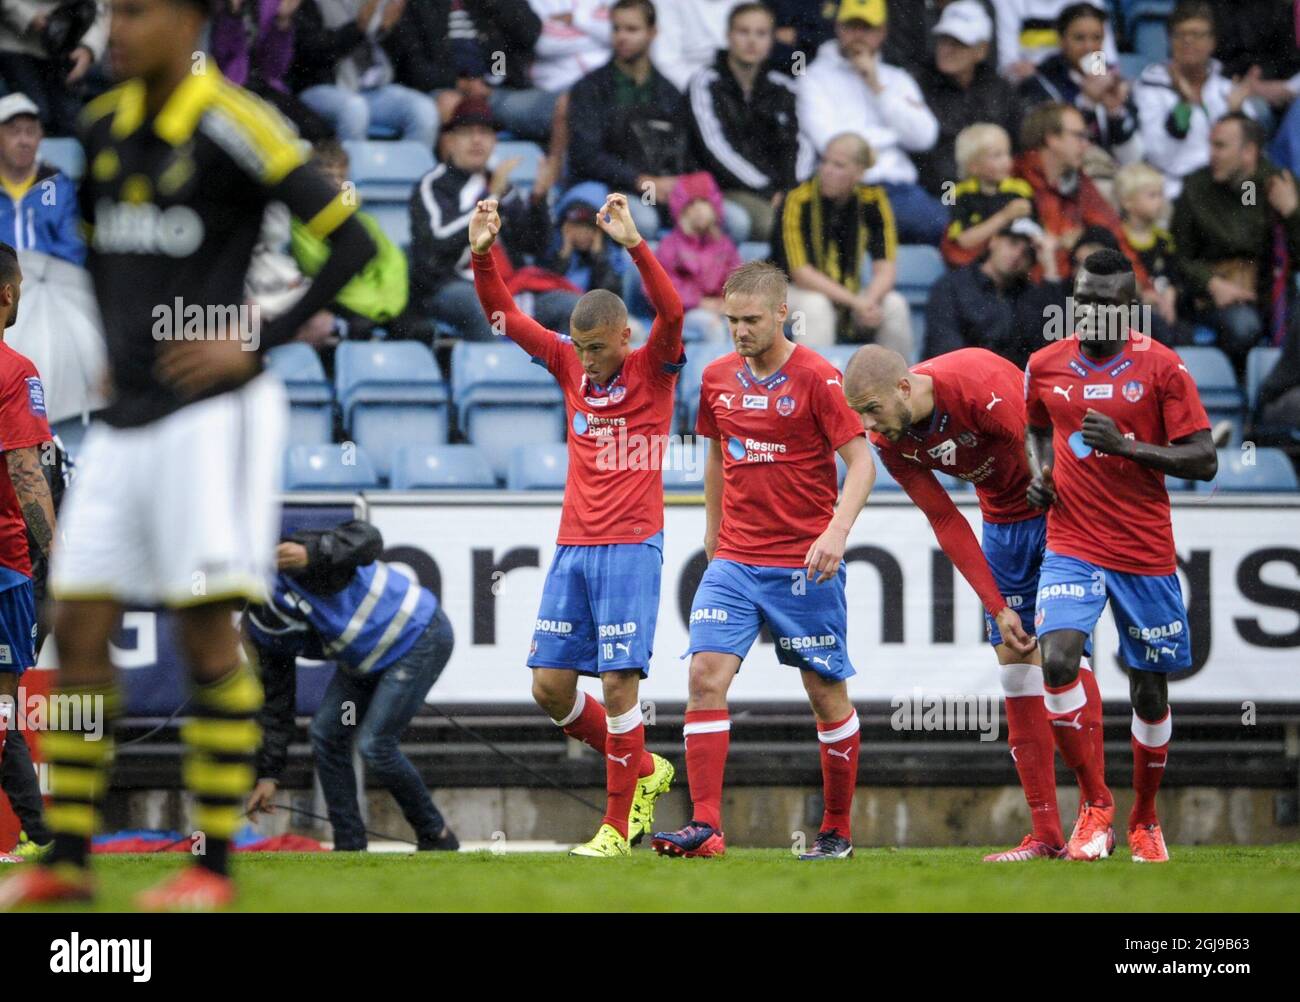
617,394
967,439
785,405
754,402
1133,391
1098,391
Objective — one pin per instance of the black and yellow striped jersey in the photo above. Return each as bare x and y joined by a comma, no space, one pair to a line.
173,205
835,238
972,205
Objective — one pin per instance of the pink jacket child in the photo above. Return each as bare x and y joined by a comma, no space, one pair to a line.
697,255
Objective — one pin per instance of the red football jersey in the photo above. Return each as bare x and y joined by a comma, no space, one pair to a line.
1112,511
779,436
977,433
617,433
22,424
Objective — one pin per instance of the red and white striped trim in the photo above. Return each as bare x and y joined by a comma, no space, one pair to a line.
1022,680
1073,698
578,705
1153,734
624,722
846,729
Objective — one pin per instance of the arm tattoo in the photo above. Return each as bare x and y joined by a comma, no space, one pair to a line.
33,492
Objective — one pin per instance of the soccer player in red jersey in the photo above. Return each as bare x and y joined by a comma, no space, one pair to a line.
1111,413
775,416
601,596
964,413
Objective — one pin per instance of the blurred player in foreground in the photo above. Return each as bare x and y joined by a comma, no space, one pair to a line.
964,413
336,600
1111,413
775,416
26,536
601,596
175,503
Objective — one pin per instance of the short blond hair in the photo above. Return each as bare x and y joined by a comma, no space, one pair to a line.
862,151
976,140
758,278
1134,177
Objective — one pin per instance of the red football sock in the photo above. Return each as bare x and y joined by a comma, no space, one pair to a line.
1029,735
1071,719
1089,680
624,745
1150,752
586,723
839,743
708,735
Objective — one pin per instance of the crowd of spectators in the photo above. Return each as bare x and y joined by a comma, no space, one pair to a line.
1005,133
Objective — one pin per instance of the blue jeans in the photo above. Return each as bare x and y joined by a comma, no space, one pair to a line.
525,113
383,704
413,115
456,303
920,217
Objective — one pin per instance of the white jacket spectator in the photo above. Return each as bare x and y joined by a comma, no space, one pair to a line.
575,40
1176,132
690,32
1026,33
832,98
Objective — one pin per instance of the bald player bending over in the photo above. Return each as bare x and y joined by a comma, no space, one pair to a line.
964,413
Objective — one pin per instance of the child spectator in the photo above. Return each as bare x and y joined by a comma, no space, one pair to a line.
988,198
582,256
697,255
1140,192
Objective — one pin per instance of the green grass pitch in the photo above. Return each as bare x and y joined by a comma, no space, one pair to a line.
1202,878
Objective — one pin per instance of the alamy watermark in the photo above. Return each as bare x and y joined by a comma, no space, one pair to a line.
181,321
920,711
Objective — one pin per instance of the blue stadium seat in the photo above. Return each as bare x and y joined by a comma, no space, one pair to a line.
328,467
395,221
440,467
1270,470
698,357
1131,64
1217,382
387,171
503,400
1259,363
529,154
538,467
683,465
65,153
919,267
311,400
754,250
391,393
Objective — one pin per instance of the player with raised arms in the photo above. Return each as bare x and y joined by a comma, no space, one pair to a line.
1111,413
964,413
600,601
775,417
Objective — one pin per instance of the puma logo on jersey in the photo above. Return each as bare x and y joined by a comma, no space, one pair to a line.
914,457
727,399
625,648
824,662
994,402
834,382
620,760
1064,392
839,754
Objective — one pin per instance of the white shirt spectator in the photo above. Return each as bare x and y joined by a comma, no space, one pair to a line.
575,40
1156,97
690,32
833,98
1027,29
